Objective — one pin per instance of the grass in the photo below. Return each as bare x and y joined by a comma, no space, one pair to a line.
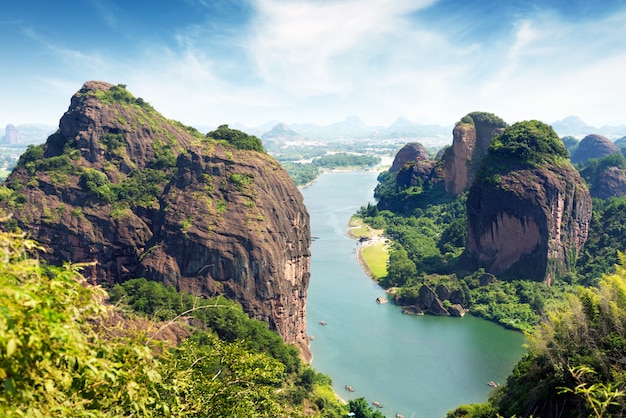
376,257
358,229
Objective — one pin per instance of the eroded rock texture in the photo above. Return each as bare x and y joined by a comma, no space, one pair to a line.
471,139
531,224
148,197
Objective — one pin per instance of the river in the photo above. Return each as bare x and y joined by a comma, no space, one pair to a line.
418,366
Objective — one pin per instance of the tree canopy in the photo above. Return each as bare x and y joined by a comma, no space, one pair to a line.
236,138
529,142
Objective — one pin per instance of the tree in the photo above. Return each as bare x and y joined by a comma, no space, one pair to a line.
577,357
400,270
56,359
236,138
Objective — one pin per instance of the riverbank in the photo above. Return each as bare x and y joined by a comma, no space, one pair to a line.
416,366
372,248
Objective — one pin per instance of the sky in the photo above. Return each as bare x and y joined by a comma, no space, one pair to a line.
249,62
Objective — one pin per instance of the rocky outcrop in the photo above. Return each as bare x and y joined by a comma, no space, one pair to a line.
594,146
148,197
471,139
409,153
528,219
609,182
427,301
11,136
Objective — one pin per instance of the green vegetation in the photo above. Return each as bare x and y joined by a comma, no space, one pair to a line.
236,139
333,161
118,94
575,365
607,236
301,173
140,189
64,353
376,257
429,230
475,118
595,166
530,143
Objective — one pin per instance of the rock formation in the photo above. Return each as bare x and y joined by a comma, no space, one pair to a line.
11,136
409,153
148,197
594,146
529,213
609,182
471,139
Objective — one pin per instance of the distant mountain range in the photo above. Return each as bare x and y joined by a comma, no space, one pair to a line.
574,126
355,128
350,128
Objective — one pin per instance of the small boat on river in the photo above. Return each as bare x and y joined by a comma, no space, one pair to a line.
492,384
322,323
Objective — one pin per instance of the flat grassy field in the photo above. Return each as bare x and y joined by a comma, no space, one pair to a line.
376,256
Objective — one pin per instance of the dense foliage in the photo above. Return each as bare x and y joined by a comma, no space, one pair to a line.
607,236
477,118
595,166
332,161
55,358
64,353
301,173
236,138
529,142
223,316
576,365
428,228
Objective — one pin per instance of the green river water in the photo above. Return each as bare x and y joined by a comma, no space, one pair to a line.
418,366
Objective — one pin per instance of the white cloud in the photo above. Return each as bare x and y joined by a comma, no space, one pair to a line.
320,61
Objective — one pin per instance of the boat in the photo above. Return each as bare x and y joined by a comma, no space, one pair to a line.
322,323
349,388
492,384
377,404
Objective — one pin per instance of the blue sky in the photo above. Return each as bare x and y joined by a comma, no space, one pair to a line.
209,62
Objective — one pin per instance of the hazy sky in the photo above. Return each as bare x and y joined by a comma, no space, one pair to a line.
208,62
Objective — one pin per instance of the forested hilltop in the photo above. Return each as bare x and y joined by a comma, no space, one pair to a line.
503,226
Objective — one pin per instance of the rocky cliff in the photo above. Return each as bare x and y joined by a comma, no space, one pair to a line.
409,153
471,138
148,197
528,210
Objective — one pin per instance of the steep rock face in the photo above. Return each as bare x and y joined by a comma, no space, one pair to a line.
529,224
471,139
409,153
255,251
419,172
146,196
594,146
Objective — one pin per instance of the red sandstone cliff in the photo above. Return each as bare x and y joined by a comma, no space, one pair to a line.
471,139
529,210
146,196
